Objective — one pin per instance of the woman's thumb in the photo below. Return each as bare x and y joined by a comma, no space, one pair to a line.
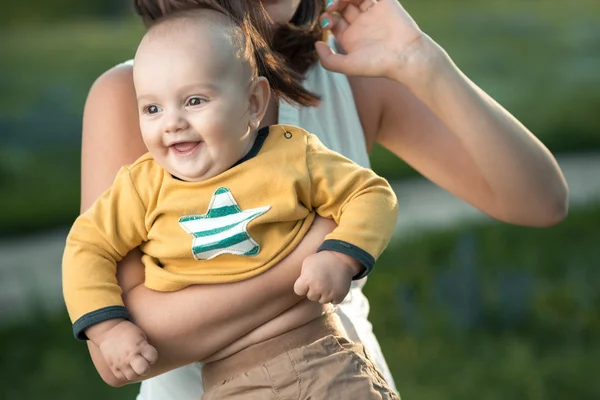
330,60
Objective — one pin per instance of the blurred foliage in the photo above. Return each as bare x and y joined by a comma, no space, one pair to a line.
45,194
42,360
48,73
482,312
539,59
492,311
60,61
40,11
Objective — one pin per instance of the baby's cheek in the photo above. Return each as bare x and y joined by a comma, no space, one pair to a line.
151,138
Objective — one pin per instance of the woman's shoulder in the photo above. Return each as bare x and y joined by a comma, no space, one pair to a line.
118,77
110,117
115,84
112,95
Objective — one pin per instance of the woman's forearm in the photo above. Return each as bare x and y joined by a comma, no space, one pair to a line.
191,324
517,167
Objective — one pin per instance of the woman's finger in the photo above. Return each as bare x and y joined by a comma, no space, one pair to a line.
332,61
366,5
347,10
339,5
350,13
333,22
347,64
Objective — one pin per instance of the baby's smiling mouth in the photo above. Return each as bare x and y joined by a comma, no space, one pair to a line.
185,148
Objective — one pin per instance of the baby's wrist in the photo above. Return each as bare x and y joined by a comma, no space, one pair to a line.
97,332
353,266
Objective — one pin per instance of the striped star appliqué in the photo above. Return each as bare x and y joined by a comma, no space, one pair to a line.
222,230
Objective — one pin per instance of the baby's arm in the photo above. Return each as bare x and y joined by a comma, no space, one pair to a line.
100,238
191,324
326,276
365,208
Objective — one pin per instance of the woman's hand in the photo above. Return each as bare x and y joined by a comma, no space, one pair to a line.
379,38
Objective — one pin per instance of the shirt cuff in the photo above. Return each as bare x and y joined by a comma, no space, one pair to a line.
95,317
353,251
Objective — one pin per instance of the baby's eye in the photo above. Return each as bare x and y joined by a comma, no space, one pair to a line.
152,109
195,101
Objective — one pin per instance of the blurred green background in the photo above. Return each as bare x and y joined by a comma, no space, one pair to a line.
482,310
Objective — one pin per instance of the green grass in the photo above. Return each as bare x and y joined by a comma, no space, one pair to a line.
43,361
546,347
515,317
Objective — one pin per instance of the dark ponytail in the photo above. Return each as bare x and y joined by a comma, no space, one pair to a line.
295,41
251,19
285,81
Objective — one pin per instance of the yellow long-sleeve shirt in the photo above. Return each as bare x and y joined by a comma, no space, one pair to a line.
227,228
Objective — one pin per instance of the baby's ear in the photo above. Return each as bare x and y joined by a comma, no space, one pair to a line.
260,93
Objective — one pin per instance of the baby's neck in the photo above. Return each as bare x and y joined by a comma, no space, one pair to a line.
252,136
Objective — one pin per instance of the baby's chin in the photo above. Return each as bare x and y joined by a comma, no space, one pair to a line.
194,170
195,176
190,177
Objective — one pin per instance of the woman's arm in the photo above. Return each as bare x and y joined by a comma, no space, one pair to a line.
419,105
111,133
190,324
463,140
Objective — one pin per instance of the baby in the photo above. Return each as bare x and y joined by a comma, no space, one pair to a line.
216,199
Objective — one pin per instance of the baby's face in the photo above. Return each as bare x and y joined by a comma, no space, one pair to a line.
193,101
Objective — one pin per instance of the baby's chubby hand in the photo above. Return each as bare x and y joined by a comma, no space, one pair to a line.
326,276
126,350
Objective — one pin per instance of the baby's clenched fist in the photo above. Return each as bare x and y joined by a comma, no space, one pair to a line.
127,352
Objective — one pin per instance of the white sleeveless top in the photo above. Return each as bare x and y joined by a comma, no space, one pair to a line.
336,120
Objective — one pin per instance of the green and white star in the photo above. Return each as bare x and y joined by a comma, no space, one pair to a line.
222,230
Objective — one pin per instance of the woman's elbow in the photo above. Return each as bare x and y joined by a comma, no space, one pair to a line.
546,212
555,205
539,210
555,211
